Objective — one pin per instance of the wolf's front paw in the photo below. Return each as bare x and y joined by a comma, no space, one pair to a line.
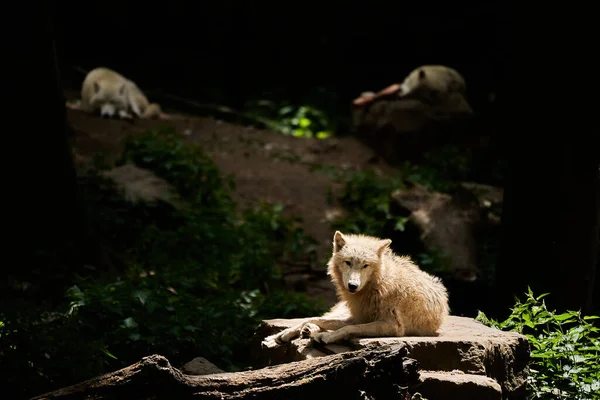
282,337
309,329
270,342
124,114
326,337
290,334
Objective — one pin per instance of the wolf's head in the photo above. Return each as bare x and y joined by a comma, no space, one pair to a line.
110,97
415,83
356,260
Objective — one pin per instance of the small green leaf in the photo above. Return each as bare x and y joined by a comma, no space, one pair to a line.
109,354
129,323
141,296
304,122
285,110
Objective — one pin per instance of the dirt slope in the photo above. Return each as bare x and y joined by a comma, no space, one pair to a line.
267,166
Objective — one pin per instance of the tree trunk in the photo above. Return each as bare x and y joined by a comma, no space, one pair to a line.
550,218
44,220
381,373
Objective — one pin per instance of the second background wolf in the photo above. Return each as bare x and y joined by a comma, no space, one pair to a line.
109,93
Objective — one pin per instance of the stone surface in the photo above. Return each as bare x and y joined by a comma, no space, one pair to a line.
140,184
457,386
446,223
200,366
404,129
463,344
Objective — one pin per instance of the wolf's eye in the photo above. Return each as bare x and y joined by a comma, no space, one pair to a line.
348,263
365,266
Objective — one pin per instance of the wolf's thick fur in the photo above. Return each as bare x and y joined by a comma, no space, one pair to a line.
108,92
381,294
437,78
437,85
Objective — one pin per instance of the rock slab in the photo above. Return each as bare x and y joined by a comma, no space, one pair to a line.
464,346
452,385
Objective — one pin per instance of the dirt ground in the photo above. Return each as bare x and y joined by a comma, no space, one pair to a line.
267,166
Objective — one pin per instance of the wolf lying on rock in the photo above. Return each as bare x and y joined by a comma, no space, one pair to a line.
381,294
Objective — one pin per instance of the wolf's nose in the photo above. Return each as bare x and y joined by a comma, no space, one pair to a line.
352,287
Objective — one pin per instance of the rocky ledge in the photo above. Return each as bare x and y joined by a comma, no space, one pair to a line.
467,359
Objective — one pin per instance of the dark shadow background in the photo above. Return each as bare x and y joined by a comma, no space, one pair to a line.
229,51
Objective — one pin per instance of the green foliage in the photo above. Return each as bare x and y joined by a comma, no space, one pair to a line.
450,161
367,198
187,167
442,170
565,349
435,262
194,281
39,351
299,121
367,195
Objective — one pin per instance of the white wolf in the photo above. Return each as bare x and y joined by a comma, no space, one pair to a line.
380,294
110,93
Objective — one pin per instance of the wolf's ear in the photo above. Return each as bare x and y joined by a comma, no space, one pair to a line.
422,74
383,244
96,87
339,241
122,89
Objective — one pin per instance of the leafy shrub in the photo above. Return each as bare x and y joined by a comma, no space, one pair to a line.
299,121
187,167
370,210
367,198
443,169
194,281
366,195
435,262
565,349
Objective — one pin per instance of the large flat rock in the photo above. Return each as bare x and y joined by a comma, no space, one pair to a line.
463,345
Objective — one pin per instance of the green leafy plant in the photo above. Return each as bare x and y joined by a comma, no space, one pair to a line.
435,262
193,281
299,121
442,170
187,167
565,349
367,198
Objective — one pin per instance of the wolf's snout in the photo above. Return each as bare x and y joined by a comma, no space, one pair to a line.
352,287
107,111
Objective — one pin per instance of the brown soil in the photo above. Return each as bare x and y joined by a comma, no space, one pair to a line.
267,166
